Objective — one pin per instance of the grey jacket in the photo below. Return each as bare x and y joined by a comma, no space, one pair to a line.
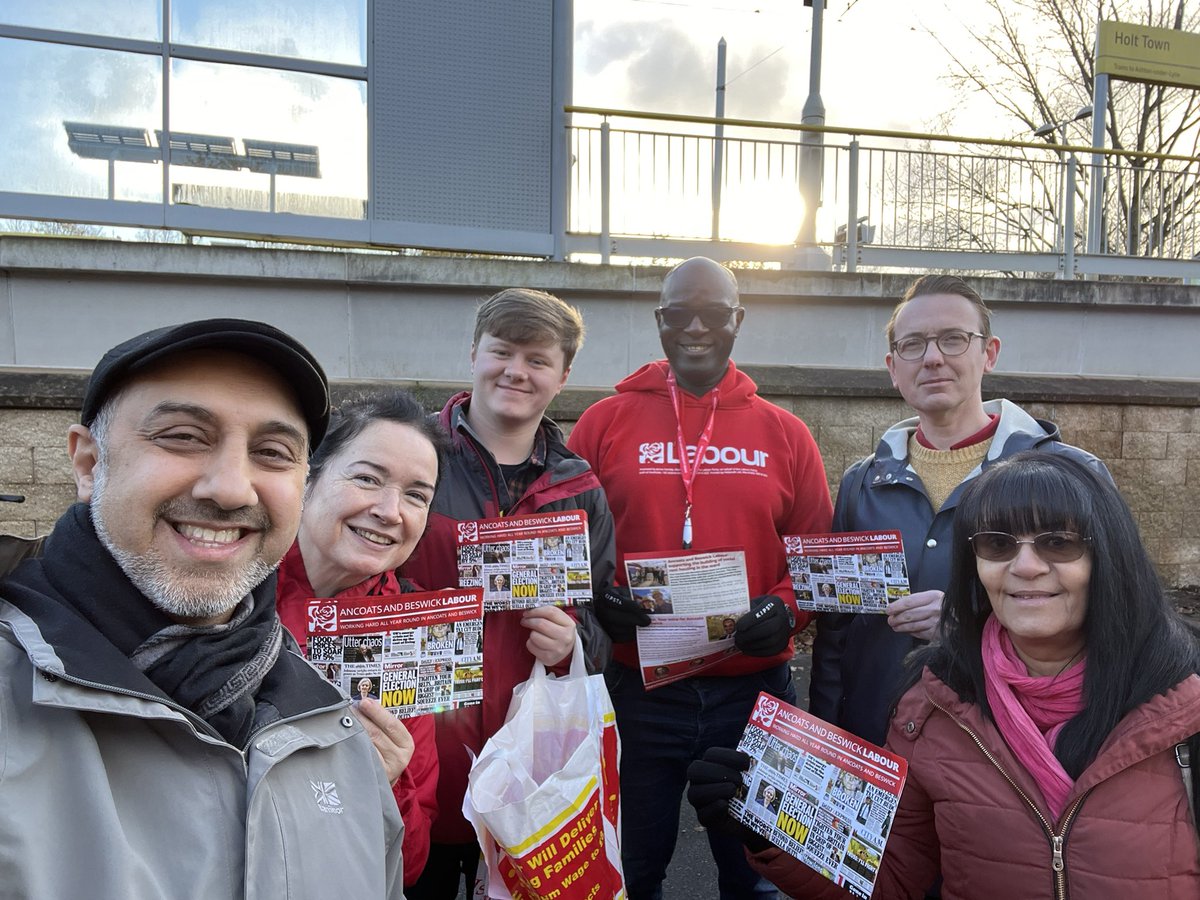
107,793
858,659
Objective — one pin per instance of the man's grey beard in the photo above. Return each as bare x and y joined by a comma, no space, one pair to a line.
197,594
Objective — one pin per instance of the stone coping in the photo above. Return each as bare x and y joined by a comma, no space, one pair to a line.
39,255
28,388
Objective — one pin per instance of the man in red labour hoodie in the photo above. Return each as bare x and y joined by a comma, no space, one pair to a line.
756,474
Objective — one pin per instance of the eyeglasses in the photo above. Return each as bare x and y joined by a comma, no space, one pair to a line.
682,316
950,343
1051,546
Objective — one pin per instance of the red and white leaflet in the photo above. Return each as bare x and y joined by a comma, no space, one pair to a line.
525,561
856,571
414,653
818,793
694,601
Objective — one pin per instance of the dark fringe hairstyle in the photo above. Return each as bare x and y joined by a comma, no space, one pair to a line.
1137,644
352,417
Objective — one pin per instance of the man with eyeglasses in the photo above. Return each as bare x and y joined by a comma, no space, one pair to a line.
691,457
941,346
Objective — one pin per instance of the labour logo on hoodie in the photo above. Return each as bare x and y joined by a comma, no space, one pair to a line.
652,452
661,457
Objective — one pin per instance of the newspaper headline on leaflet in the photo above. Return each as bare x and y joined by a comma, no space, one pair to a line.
524,561
414,653
859,571
818,793
694,601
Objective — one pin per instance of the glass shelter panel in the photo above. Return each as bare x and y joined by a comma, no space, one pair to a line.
327,30
84,126
138,19
268,140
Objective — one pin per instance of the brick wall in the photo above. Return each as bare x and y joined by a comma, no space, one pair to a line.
34,463
1152,449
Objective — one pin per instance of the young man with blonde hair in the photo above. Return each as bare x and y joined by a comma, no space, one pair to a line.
508,459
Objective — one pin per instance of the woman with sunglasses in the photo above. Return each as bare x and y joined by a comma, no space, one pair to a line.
1041,732
370,483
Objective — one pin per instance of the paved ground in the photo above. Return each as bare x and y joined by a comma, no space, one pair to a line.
693,875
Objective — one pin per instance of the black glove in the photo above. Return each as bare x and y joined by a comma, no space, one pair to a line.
766,629
714,781
619,614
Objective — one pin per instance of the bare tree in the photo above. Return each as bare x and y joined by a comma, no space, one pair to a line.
56,229
1035,62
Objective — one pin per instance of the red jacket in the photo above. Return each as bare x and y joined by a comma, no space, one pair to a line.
762,478
468,491
1127,831
416,791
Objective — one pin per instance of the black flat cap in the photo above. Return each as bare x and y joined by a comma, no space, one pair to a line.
258,340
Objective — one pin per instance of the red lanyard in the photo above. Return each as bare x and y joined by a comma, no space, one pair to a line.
688,469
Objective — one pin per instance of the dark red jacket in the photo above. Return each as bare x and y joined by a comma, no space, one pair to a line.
1127,831
467,490
416,791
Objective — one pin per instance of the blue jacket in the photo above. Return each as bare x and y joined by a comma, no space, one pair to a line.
858,659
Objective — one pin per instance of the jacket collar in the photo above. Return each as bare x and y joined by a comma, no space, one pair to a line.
453,418
1154,727
61,642
1016,431
550,447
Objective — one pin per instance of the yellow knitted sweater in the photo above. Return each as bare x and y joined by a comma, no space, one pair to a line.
942,471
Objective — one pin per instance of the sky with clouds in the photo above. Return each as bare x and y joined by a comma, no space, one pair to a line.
883,68
882,63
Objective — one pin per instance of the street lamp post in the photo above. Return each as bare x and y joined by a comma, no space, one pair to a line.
1065,237
1084,112
809,255
718,143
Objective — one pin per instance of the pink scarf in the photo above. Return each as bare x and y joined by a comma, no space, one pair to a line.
1030,711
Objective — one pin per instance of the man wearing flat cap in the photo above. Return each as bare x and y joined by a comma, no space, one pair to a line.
159,735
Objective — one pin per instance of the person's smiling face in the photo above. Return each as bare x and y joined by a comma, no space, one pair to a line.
368,508
698,352
1042,605
513,383
197,490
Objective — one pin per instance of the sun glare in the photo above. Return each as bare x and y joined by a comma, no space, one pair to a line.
762,212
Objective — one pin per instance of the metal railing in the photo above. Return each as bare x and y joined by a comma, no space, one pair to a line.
901,201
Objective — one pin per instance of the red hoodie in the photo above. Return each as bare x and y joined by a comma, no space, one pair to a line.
416,791
761,477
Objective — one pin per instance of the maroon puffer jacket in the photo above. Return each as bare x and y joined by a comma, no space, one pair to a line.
972,811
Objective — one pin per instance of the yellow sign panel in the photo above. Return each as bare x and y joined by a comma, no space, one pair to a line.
1142,53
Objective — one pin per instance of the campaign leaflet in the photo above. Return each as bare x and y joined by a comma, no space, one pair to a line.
414,653
857,571
525,561
694,601
818,793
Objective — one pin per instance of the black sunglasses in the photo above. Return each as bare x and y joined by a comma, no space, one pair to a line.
682,316
1051,546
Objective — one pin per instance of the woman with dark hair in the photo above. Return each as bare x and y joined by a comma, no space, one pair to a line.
1042,731
370,483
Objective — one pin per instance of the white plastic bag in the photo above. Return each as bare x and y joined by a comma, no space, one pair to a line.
543,794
